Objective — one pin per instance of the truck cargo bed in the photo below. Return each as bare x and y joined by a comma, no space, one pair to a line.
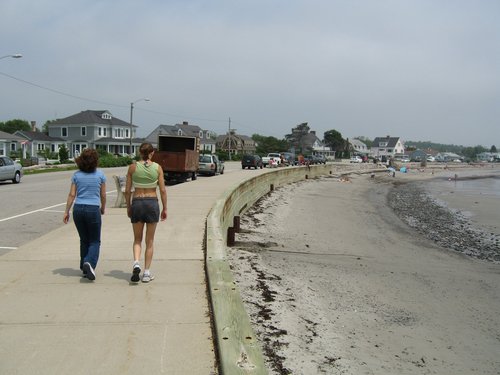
186,161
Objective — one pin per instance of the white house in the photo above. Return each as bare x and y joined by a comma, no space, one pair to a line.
387,146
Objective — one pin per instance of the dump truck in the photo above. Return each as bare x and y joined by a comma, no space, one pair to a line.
178,156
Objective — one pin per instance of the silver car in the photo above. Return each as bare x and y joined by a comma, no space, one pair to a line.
9,170
210,165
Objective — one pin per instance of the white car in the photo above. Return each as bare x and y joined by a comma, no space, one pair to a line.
10,170
356,159
210,165
431,158
272,159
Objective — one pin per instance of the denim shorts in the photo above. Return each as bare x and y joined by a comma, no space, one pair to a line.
145,210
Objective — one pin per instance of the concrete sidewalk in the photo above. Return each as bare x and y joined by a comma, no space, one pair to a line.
53,321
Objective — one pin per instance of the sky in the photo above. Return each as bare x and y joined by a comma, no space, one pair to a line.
422,70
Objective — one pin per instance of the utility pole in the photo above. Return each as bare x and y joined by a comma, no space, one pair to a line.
229,141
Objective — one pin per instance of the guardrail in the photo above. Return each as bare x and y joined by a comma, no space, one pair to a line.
238,348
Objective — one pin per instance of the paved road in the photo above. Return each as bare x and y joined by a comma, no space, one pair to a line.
36,205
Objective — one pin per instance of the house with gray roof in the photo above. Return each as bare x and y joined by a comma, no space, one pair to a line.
36,143
206,137
9,143
310,143
96,129
359,147
448,157
235,144
387,146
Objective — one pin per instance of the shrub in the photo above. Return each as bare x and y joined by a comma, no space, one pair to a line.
109,161
63,154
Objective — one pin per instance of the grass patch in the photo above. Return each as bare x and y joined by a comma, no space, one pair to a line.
49,169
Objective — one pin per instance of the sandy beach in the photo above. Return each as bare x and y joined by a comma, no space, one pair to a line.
337,282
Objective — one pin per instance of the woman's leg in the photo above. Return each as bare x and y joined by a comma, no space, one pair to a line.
137,246
150,237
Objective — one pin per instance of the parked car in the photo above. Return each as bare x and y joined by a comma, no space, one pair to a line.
356,159
251,161
288,158
10,170
272,159
319,159
405,159
210,165
431,158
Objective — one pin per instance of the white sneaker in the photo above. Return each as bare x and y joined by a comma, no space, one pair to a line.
146,278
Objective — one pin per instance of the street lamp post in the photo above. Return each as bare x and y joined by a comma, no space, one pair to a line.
131,116
14,56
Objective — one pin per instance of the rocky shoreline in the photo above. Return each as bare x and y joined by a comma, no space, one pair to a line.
448,228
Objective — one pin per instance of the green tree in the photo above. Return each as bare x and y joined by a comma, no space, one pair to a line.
266,145
493,149
12,126
470,153
333,139
63,154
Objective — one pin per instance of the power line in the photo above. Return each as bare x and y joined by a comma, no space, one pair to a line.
57,91
106,103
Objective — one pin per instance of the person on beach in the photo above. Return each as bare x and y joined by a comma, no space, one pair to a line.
88,193
143,208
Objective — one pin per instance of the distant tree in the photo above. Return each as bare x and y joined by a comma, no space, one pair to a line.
295,139
45,127
424,145
12,126
471,153
333,139
266,145
493,149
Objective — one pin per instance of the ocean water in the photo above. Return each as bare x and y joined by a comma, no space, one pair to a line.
476,195
471,185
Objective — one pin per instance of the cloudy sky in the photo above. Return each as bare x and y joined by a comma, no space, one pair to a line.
418,69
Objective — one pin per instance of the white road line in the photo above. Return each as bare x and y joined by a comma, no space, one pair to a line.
31,212
7,248
42,209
